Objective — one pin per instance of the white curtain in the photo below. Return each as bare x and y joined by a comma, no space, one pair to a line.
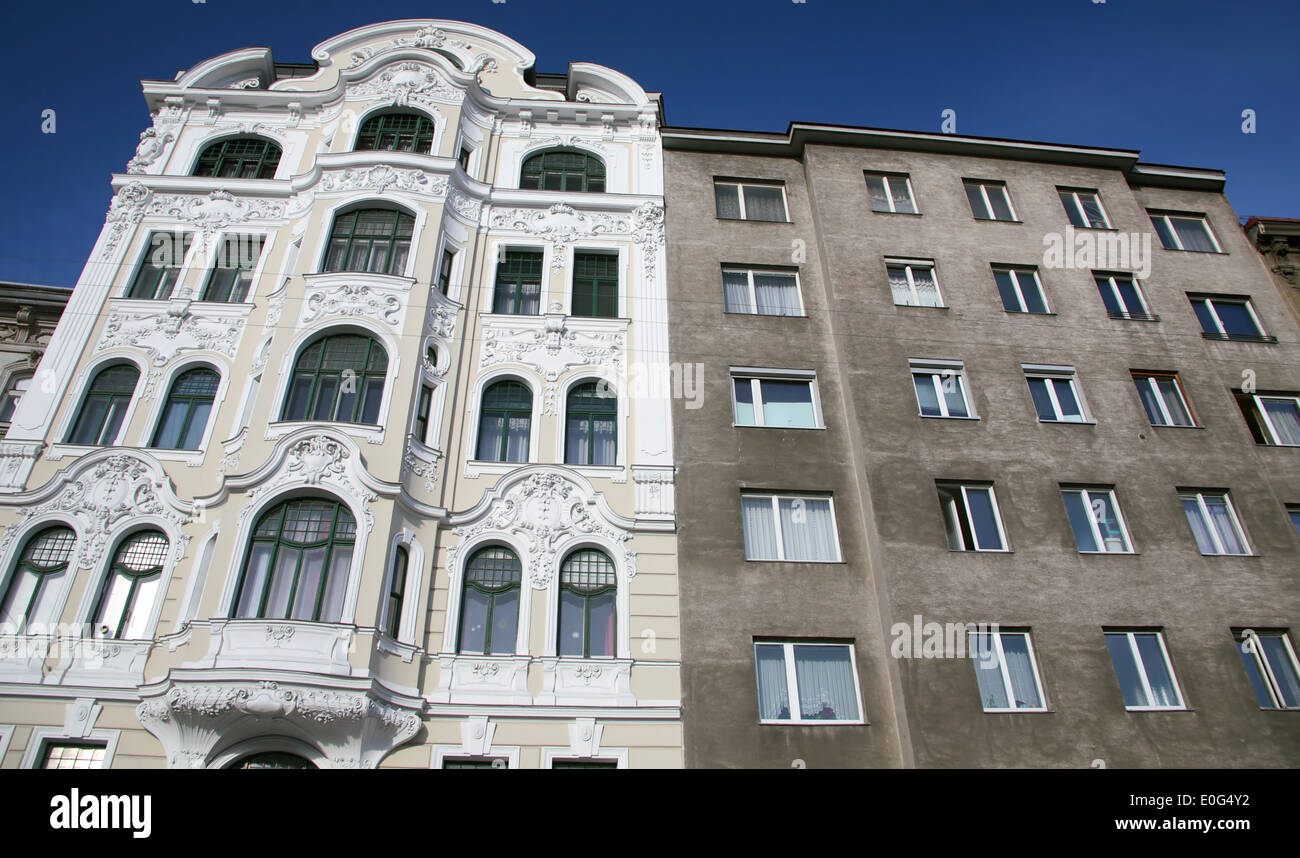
808,529
760,533
1222,520
254,580
1200,529
489,444
1153,661
988,672
1193,234
899,286
1285,418
773,694
735,292
605,442
825,677
777,294
764,204
1020,668
517,443
728,200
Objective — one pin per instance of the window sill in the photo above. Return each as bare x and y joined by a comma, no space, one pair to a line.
1157,709
1175,426
948,417
1096,228
766,315
925,306
1068,422
905,214
1109,553
750,220
818,562
1133,317
1239,338
1203,554
1184,250
1038,711
756,426
1025,313
980,551
996,220
812,723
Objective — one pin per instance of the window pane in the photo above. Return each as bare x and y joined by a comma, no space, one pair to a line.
998,199
1042,400
760,530
984,519
977,206
1076,507
787,403
1092,208
1033,292
927,293
808,529
1193,233
879,196
735,291
744,401
728,201
1126,670
1257,680
1205,317
988,673
1103,513
1200,527
1279,661
505,622
1162,229
572,616
825,678
925,395
1157,670
1284,414
1221,518
773,692
1173,399
1070,408
901,196
1236,319
473,622
1006,288
1020,667
517,442
601,629
777,294
764,203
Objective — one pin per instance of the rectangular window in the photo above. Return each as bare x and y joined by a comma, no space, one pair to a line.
1274,419
1269,658
1123,297
1214,522
806,683
989,200
161,267
1021,290
475,763
1006,672
971,516
1142,667
1084,208
1097,522
789,527
1056,395
519,283
890,192
1184,231
422,414
763,293
583,764
738,200
73,755
463,158
913,283
232,275
1228,318
595,285
941,388
1163,398
444,270
1293,512
396,593
777,398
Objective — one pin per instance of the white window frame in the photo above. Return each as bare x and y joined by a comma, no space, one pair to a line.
907,265
1266,670
984,185
1173,233
1076,199
1058,373
965,502
938,371
1165,414
1006,675
740,186
1088,492
885,178
1130,636
1258,399
42,737
757,375
792,683
1112,281
776,498
1016,271
1218,322
1208,521
753,293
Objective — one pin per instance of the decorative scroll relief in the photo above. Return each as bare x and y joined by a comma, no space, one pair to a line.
655,492
17,458
441,322
210,212
181,328
382,177
317,460
648,233
561,225
403,84
151,146
351,299
426,37
421,464
551,345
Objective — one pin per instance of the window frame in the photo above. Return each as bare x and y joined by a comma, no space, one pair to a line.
984,185
262,160
516,281
1113,279
117,567
1293,514
1008,688
611,413
907,265
792,683
393,237
192,401
885,178
179,267
13,392
1265,420
598,283
1268,675
753,291
740,185
1074,194
776,498
1221,333
1208,521
116,397
379,118
1015,272
1057,373
756,376
586,172
1150,376
395,595
1087,492
446,264
466,585
222,254
965,487
423,410
365,378
20,566
1165,215
937,370
587,597
506,413
1130,636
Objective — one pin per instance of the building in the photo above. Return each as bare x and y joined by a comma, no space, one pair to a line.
28,315
1278,242
351,455
996,461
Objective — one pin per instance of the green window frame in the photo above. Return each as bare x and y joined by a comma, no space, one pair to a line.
373,240
563,170
44,558
298,562
338,378
239,158
184,418
489,613
99,419
396,592
396,131
595,285
127,597
505,422
444,270
591,425
231,277
422,407
272,760
161,267
588,621
519,283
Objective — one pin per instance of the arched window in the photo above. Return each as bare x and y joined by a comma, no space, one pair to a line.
587,589
127,599
272,760
489,616
297,566
185,416
563,170
32,586
239,158
374,240
505,424
397,132
105,405
338,378
591,425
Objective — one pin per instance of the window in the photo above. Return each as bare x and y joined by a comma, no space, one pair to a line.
1270,661
463,158
185,416
563,170
584,764
444,270
777,398
750,201
34,584
161,266
1274,420
1184,232
595,285
913,283
272,760
941,388
587,611
971,516
890,192
422,414
1293,511
1163,398
232,276
1142,667
505,426
298,562
806,683
1056,396
1224,318
73,755
13,394
1006,672
1097,522
1122,296
1214,522
789,527
338,378
374,240
126,602
489,616
105,405
519,283
989,200
397,132
591,425
396,592
475,763
763,293
1084,208
239,158
1021,290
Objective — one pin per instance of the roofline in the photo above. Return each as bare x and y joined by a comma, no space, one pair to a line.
34,293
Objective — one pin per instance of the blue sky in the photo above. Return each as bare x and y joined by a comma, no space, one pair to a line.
1168,77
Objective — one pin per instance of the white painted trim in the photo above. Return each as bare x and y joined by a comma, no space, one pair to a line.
35,753
513,373
81,385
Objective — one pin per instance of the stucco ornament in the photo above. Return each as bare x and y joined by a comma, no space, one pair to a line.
404,84
353,300
215,210
382,177
319,461
151,146
126,210
181,328
552,347
561,225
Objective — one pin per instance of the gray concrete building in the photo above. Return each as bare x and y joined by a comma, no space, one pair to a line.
996,462
28,315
